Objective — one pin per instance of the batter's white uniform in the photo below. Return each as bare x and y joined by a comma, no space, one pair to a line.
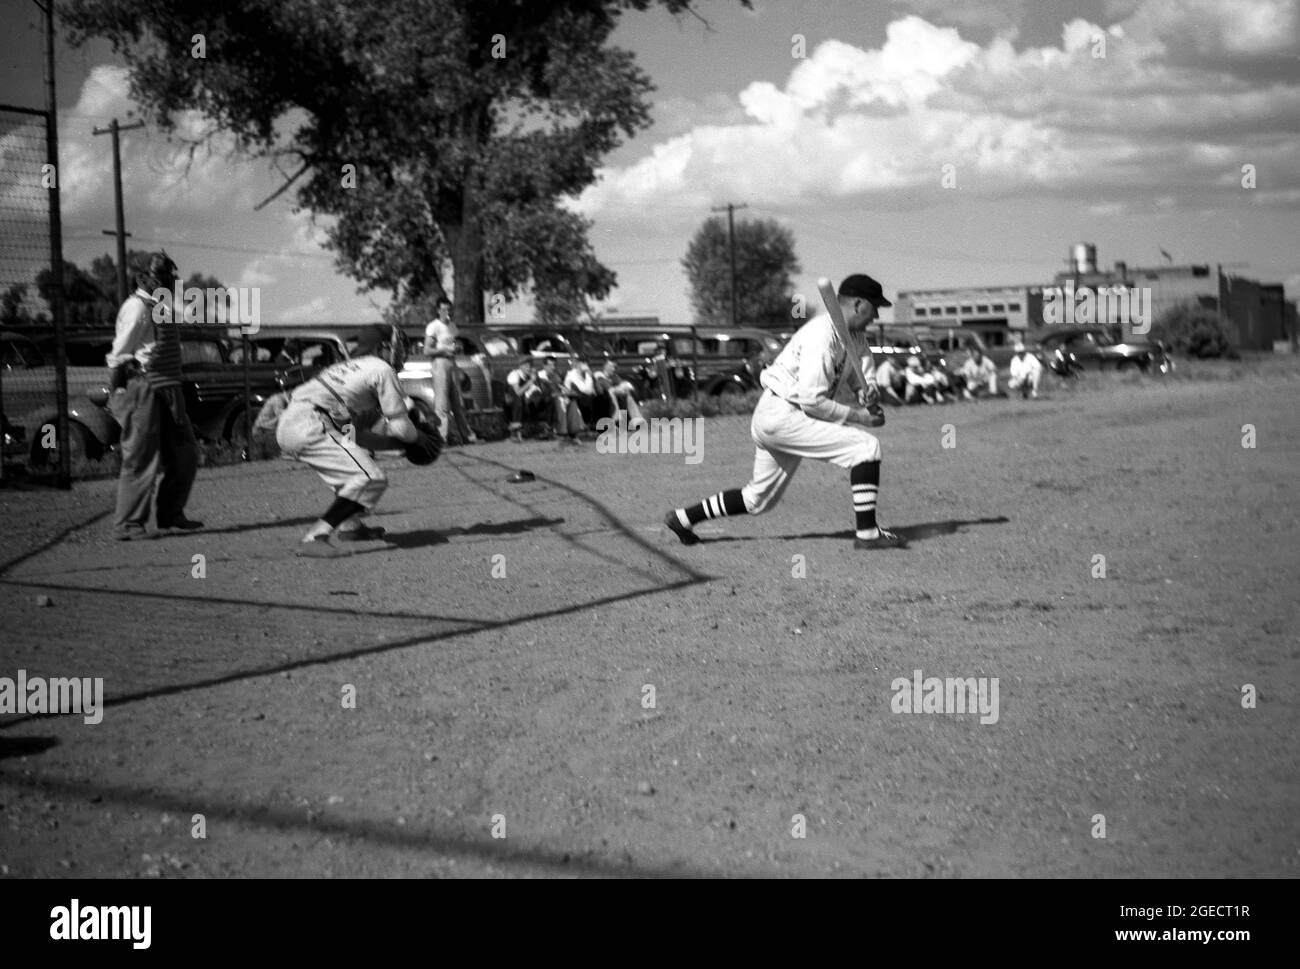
797,417
311,427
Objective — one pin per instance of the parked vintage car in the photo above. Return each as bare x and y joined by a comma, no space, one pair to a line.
484,358
1069,349
213,384
677,360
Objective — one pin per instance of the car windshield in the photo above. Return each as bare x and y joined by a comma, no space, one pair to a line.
19,355
498,346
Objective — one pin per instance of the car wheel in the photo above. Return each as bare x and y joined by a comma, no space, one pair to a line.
81,447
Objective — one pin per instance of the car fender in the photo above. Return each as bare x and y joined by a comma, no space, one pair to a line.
97,421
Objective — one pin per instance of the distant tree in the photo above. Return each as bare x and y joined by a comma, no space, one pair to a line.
1195,331
90,296
84,302
13,311
765,266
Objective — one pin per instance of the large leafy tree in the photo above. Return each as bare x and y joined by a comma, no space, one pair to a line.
765,266
435,131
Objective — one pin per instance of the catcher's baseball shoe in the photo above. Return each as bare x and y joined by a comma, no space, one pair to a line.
362,533
886,539
318,548
684,534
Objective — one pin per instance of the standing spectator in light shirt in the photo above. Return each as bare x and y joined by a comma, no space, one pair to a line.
440,344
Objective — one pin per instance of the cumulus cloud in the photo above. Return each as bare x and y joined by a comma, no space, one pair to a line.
1104,113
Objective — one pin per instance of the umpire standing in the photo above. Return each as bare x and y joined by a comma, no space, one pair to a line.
159,452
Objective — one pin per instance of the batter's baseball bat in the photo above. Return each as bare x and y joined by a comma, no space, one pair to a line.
832,303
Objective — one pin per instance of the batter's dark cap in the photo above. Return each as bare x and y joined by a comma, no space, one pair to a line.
861,286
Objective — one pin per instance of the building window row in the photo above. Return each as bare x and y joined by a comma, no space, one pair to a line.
982,309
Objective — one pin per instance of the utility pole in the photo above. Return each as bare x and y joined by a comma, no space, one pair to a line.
731,243
114,129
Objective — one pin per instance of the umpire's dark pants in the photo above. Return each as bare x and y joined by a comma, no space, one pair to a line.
157,440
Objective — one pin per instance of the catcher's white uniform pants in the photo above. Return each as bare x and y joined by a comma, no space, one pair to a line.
309,436
784,435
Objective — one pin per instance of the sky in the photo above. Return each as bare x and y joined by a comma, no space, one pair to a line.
928,143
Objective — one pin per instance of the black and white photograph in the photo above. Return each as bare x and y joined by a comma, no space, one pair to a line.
687,439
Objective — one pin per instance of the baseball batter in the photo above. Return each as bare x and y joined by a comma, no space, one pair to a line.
798,417
326,427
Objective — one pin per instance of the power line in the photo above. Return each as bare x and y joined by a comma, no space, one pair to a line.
214,246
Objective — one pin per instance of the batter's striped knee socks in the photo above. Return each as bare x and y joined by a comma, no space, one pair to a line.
864,478
721,505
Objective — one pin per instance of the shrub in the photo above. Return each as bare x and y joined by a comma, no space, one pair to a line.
1195,331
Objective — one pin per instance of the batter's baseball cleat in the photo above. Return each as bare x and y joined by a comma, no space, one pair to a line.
362,533
318,548
886,539
684,534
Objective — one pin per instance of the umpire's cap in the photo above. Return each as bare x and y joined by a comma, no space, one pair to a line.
861,286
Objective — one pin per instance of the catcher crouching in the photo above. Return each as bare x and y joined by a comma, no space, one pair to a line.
328,426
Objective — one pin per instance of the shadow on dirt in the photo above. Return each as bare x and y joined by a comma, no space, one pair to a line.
25,746
245,527
913,533
294,821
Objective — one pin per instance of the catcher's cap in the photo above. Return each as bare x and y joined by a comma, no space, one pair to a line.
861,286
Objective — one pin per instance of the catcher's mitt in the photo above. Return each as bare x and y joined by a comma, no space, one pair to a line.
427,447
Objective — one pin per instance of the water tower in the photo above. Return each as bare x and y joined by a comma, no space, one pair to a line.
1083,259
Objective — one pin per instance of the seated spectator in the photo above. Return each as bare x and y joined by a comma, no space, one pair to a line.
621,394
890,380
979,374
526,398
568,419
919,384
580,386
943,388
290,353
1026,372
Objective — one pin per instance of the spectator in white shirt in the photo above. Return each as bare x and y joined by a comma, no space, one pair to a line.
980,375
919,384
890,380
580,385
568,419
1026,372
440,344
622,395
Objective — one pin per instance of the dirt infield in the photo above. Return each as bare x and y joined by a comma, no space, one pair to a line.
517,703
